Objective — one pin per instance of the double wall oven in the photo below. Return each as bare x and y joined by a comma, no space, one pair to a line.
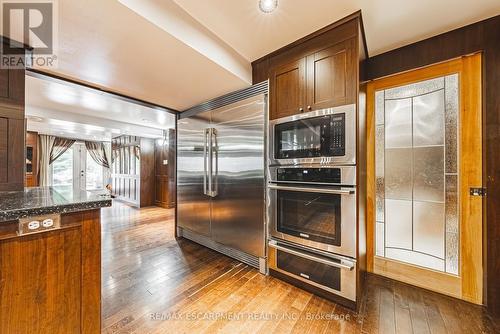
311,191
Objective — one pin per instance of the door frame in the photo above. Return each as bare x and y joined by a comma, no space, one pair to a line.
469,285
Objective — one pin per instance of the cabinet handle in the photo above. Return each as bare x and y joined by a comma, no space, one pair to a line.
309,107
301,109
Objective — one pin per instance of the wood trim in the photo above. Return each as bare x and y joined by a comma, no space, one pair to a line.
428,279
370,175
471,272
471,176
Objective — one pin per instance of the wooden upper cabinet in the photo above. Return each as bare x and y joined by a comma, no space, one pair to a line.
331,78
288,89
12,88
324,79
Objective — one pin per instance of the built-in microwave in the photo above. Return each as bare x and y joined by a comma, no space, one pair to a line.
320,136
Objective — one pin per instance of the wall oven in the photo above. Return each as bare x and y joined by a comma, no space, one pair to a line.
314,207
320,136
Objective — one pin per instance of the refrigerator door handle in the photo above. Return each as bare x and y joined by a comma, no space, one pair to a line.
215,182
205,157
210,158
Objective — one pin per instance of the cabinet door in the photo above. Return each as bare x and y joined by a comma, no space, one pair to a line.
331,76
287,91
12,160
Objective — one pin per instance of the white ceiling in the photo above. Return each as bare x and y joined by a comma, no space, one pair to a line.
74,111
178,53
105,43
388,23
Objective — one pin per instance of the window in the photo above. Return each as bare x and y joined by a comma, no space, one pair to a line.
62,169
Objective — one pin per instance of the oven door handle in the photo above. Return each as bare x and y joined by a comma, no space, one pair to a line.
347,265
313,190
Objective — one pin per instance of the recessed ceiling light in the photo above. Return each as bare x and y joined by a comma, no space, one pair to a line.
267,6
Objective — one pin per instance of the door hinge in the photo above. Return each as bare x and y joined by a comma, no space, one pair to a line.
478,192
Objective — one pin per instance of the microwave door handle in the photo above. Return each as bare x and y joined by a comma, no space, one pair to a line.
313,190
347,265
205,163
215,182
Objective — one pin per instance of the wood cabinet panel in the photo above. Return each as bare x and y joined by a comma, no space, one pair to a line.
331,77
4,83
288,84
37,271
50,282
11,154
323,79
12,132
16,151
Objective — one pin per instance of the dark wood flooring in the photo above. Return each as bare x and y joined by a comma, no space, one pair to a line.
152,283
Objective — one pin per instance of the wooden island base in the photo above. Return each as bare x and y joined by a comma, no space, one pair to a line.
50,282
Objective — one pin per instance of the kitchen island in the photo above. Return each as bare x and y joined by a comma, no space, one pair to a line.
50,259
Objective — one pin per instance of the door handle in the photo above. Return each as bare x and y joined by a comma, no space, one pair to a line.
205,157
210,161
477,192
313,190
343,264
215,183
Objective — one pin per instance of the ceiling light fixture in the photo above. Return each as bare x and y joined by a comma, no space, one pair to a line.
267,6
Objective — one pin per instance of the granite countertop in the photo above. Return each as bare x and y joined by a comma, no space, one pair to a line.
46,200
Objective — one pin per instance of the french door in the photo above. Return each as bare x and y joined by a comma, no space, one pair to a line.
76,168
424,195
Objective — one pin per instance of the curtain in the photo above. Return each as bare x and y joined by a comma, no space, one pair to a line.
45,144
60,146
98,152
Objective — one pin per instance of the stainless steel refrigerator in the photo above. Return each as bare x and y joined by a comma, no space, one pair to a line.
220,178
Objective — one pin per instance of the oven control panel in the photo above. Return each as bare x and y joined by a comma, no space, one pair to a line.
30,225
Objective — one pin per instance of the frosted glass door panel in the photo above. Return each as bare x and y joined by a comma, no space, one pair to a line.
398,177
428,173
398,123
398,224
428,228
428,119
416,166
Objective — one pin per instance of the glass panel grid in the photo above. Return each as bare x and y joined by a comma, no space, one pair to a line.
416,163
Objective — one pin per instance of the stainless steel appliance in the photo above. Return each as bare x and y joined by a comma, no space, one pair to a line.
328,272
220,178
325,136
314,207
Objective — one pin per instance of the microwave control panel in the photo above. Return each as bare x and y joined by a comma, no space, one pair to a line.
337,138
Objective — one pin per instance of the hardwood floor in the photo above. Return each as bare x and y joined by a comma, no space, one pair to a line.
153,283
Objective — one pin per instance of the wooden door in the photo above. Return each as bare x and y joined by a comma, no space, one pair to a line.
331,76
288,89
424,223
